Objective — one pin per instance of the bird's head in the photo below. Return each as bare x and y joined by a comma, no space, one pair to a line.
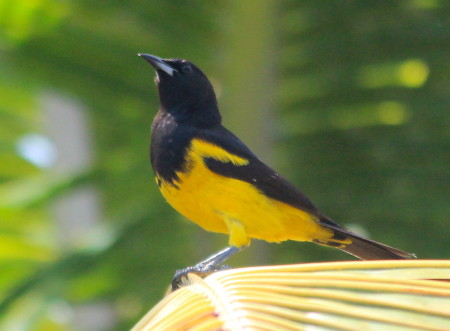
183,88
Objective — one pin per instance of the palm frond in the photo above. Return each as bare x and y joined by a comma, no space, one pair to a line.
360,295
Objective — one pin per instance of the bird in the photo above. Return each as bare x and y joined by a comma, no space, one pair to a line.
211,177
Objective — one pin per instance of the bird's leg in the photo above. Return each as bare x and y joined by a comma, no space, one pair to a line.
205,267
214,261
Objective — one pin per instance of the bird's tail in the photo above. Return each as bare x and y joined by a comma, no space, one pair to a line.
361,247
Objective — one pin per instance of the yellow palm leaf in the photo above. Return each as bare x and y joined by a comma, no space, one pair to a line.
359,295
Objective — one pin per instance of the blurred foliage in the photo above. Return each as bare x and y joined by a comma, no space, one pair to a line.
362,125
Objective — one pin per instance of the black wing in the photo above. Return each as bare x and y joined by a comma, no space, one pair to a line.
255,172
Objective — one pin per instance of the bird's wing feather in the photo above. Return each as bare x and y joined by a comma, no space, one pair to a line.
254,172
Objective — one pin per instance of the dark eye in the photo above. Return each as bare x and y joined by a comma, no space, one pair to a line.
186,67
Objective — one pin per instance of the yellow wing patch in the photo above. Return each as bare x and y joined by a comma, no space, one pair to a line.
206,149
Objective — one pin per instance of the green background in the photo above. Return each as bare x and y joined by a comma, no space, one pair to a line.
347,99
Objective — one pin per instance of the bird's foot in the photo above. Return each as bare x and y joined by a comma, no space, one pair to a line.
201,269
206,267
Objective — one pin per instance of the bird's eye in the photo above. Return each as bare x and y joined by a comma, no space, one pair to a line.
186,67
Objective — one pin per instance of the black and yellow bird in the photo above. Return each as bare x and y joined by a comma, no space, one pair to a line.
211,177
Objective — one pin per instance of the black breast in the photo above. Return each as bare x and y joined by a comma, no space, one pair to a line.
168,147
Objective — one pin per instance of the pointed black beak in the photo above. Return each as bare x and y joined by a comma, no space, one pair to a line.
158,63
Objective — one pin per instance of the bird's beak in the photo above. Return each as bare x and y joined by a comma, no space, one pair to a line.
158,63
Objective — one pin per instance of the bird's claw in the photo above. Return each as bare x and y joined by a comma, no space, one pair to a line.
200,269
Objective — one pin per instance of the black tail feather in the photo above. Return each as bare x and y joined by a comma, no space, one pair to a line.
361,247
366,249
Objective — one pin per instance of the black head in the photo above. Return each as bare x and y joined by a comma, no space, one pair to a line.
184,91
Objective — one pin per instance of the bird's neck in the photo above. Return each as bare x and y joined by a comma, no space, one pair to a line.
200,116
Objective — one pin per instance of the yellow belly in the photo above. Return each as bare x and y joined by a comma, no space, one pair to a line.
226,205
